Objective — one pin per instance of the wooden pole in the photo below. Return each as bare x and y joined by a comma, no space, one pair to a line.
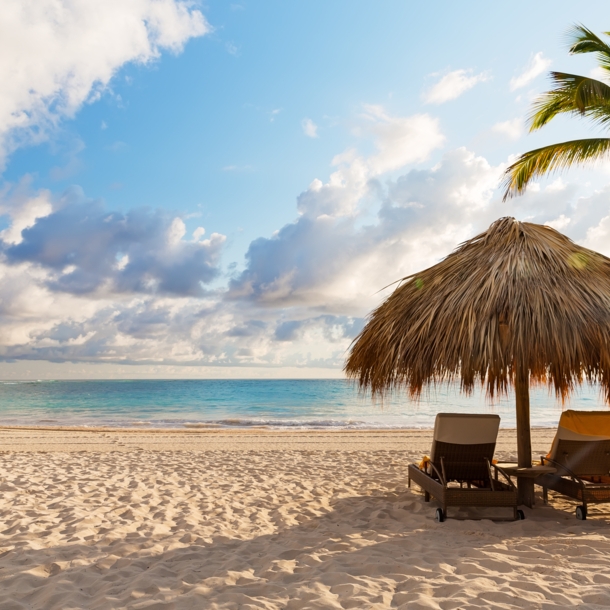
524,439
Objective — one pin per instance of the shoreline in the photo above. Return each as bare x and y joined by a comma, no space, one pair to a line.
105,439
218,429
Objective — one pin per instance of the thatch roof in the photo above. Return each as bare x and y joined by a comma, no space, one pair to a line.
517,293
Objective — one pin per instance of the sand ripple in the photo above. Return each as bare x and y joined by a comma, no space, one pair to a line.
270,529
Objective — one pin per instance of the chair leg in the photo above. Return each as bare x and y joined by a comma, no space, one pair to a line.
545,495
426,496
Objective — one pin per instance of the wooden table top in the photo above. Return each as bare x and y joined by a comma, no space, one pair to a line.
533,471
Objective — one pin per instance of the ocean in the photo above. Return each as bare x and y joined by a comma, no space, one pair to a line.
276,404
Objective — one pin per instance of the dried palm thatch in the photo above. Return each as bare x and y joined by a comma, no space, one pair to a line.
518,296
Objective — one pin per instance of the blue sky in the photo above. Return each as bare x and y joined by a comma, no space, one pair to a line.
221,189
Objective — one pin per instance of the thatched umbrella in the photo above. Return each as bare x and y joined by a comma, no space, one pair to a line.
518,304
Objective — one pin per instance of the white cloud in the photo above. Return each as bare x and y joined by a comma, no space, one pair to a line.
398,142
176,231
310,129
557,185
598,237
560,223
56,56
23,209
198,233
512,129
536,66
452,85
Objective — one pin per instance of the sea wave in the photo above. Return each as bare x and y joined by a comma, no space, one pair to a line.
226,424
297,423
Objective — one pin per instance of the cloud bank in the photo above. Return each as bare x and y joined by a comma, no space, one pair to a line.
82,284
85,249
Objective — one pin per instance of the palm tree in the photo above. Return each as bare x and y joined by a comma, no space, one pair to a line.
573,94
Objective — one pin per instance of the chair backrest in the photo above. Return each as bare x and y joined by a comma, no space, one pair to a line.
582,442
465,442
584,458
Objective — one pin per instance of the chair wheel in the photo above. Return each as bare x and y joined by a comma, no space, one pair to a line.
581,512
440,515
520,515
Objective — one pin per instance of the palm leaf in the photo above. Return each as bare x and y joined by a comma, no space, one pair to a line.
573,94
551,158
583,40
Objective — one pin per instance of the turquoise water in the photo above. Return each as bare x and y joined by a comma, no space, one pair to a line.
245,403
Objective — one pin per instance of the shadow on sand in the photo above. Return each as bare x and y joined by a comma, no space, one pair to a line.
366,552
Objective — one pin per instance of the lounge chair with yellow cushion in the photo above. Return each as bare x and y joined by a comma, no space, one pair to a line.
460,470
581,455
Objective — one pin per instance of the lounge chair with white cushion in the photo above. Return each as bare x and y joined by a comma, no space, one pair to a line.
460,470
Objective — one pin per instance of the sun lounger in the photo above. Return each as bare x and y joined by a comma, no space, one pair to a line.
581,455
460,471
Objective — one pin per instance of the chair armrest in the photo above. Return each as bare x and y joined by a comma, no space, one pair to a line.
564,469
441,478
506,475
434,468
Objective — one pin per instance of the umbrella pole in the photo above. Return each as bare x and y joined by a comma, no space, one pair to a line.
524,439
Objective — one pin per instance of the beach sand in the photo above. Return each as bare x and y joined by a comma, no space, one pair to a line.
260,519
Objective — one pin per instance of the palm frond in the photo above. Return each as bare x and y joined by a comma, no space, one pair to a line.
583,40
573,94
551,158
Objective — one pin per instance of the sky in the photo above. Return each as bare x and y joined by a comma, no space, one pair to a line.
227,189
